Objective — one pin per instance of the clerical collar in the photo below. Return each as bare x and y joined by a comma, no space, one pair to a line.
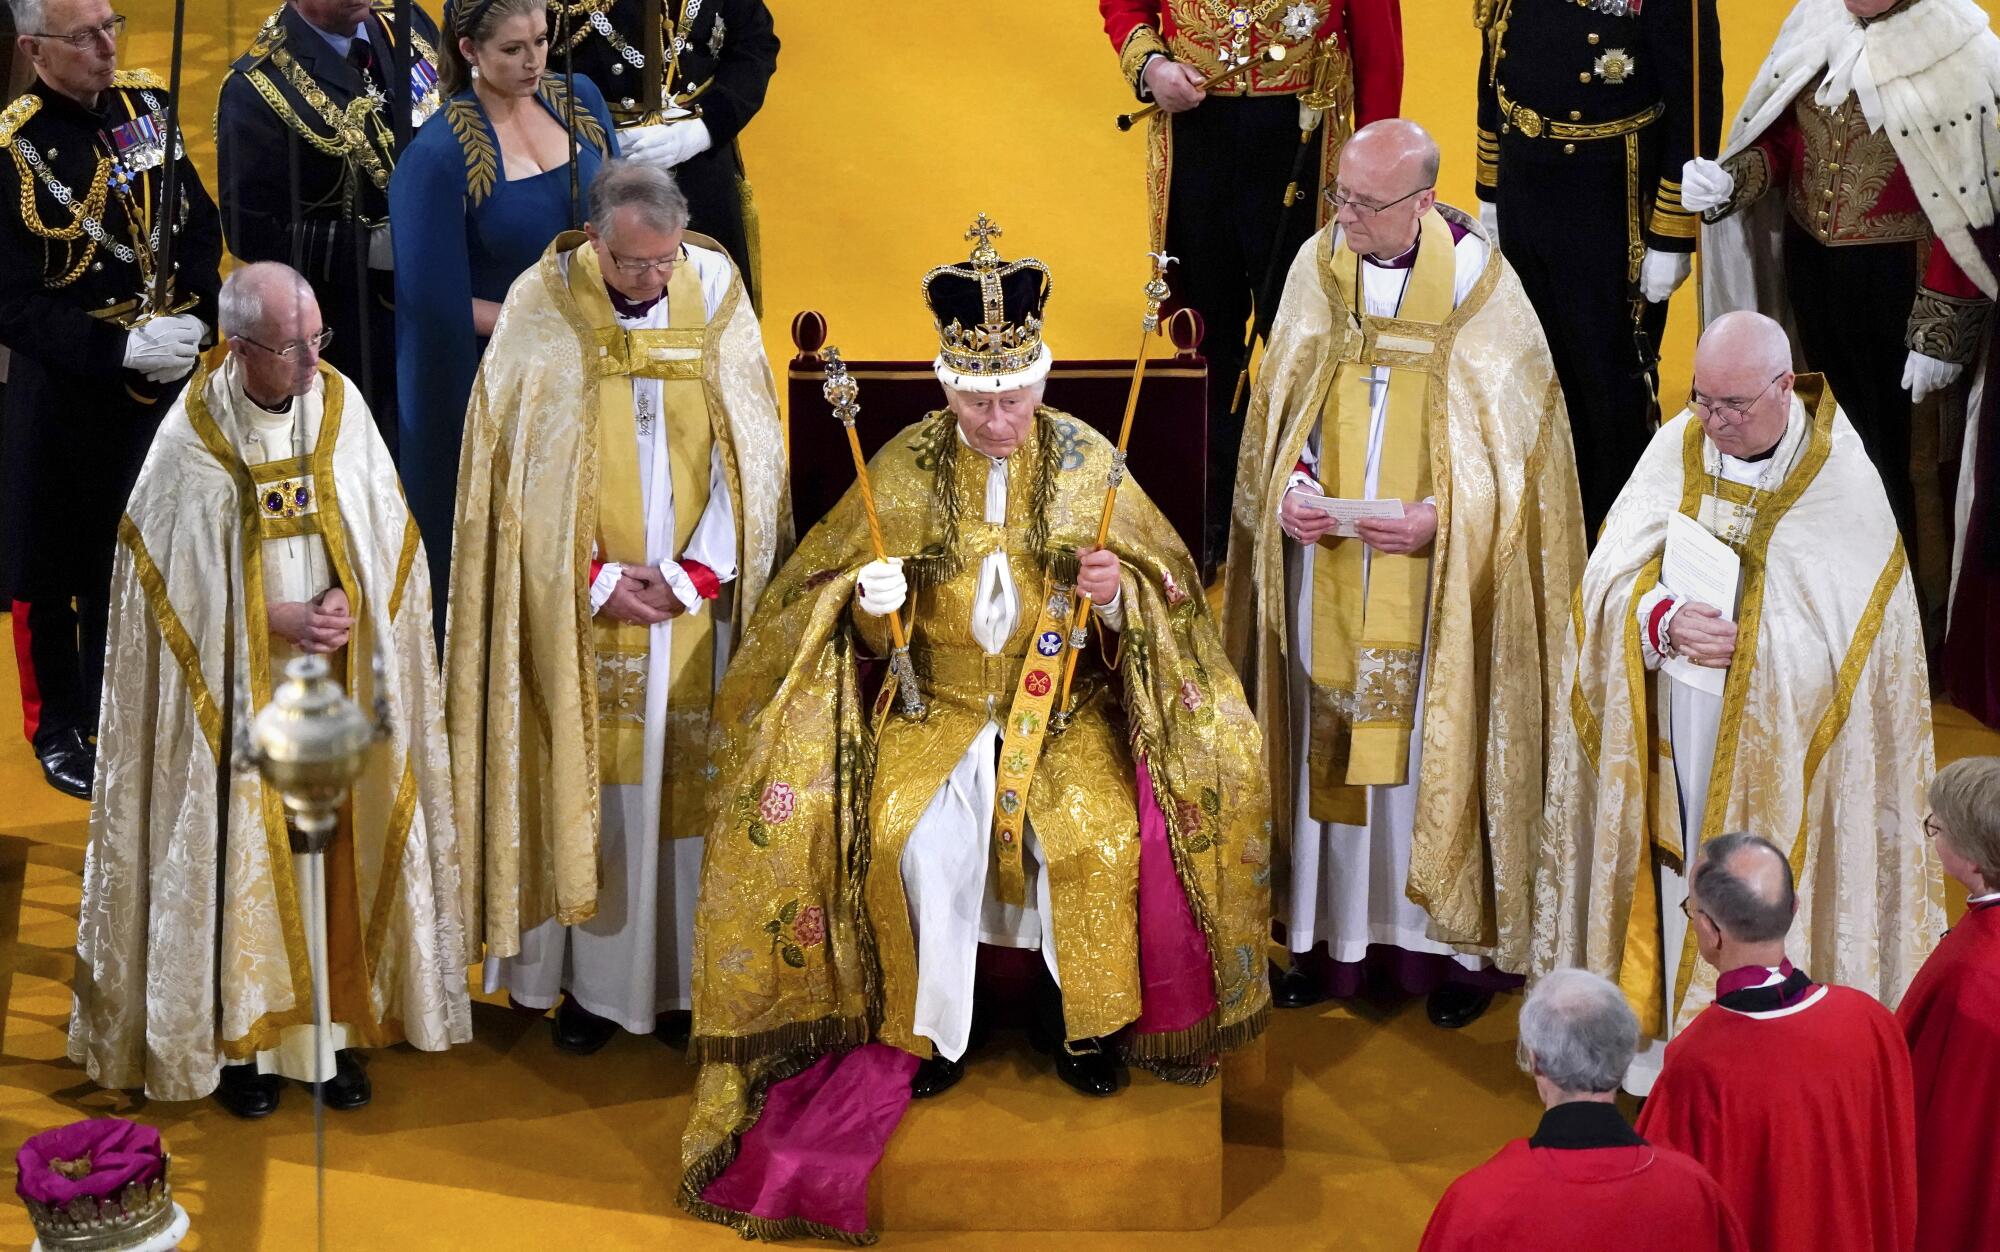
1583,1124
631,308
1406,259
1765,455
1762,988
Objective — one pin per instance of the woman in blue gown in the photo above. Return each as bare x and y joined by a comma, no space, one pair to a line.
482,189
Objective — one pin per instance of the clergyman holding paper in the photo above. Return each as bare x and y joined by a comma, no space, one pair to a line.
1817,737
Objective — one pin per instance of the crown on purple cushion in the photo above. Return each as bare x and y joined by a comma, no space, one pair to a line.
95,1186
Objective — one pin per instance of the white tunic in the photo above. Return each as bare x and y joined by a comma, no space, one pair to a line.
945,863
632,961
1694,719
1347,881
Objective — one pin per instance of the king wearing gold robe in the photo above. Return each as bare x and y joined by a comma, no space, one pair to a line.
860,856
1795,709
620,511
267,522
1403,668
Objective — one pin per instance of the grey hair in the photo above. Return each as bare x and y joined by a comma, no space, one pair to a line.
29,15
1578,1031
1965,795
647,188
1732,901
1040,387
243,308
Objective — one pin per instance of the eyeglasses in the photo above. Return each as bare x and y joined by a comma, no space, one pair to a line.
291,350
1731,411
1932,827
82,39
1365,209
639,267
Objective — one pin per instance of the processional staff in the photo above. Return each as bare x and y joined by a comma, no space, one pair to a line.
842,392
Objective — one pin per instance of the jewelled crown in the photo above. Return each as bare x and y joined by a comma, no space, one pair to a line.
988,313
96,1186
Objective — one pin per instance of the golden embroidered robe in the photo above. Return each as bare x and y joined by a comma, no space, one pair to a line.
189,661
522,664
1509,548
802,939
1824,740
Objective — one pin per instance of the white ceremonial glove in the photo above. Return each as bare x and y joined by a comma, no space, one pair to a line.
665,145
164,348
1308,117
1489,221
1705,185
1661,272
1924,374
882,587
381,255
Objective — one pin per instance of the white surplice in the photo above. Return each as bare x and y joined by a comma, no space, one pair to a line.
295,569
632,961
1694,720
946,862
1347,881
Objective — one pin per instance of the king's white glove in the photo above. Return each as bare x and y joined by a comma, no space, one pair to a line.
665,145
1489,221
164,348
882,587
1705,185
1925,374
1661,272
381,253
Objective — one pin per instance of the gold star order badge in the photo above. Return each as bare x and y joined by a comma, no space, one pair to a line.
1616,65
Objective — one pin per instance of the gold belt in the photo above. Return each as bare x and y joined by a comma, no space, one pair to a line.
1535,126
967,671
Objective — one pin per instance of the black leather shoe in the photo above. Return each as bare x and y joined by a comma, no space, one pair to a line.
1092,1071
1295,988
247,1093
673,1028
935,1077
580,1031
1452,1005
349,1087
69,762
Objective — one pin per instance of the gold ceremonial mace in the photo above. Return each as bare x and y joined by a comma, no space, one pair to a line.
1079,635
1271,55
842,392
1700,315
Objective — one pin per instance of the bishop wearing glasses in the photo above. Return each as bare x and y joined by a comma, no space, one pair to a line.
1788,699
1401,666
621,506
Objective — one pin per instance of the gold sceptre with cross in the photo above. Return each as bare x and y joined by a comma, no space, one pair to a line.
1079,635
842,392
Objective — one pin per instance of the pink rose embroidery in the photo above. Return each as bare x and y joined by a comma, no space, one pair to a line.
1174,593
1190,695
777,804
810,928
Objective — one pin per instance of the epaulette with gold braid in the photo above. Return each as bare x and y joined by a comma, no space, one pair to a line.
130,80
15,114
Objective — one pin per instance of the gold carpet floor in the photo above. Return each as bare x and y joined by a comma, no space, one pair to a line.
889,126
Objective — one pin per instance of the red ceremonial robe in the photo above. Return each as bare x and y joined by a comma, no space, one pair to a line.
1585,1180
1802,1113
1951,1017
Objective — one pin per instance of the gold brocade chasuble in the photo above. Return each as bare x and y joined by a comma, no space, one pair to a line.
1368,609
624,649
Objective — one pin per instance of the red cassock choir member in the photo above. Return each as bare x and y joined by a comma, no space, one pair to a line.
1585,1180
1217,173
1796,1097
1951,1017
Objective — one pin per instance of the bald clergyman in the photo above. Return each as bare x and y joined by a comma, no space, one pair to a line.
1407,369
1795,704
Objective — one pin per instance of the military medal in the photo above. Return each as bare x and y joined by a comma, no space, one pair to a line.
423,90
1616,65
136,145
1300,21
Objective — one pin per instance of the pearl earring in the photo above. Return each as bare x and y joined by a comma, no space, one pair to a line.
475,71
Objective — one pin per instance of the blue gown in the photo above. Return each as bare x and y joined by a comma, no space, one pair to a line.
465,231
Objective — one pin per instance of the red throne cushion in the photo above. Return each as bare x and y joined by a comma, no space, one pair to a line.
1169,449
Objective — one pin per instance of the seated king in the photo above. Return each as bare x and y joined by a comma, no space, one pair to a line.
862,854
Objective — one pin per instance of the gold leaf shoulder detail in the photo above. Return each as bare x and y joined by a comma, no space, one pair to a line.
482,163
15,114
588,128
129,79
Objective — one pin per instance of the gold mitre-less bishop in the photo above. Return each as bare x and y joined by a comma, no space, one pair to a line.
161,1000
1820,740
546,703
804,935
1445,393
